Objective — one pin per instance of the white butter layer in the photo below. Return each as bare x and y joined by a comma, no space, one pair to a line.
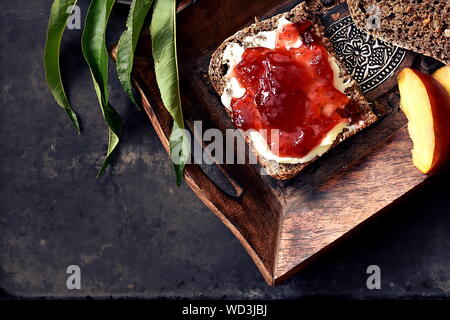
232,90
266,39
233,55
337,80
262,147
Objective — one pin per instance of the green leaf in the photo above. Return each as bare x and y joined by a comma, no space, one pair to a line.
128,42
56,26
163,33
113,139
180,145
96,55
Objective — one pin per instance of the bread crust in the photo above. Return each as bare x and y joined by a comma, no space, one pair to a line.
421,26
217,71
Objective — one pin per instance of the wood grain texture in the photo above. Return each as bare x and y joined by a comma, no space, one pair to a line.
281,224
339,204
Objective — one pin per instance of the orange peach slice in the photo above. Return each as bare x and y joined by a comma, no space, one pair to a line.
426,104
443,76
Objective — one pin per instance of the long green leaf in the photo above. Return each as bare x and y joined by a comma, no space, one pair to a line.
56,25
96,55
163,33
128,42
180,145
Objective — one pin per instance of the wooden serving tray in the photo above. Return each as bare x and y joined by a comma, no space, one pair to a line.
281,224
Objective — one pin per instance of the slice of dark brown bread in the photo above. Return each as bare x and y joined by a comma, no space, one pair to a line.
218,69
419,25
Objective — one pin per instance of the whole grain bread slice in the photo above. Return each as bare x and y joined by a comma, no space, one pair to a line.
418,25
218,69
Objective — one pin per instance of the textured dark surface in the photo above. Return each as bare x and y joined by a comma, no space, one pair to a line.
132,232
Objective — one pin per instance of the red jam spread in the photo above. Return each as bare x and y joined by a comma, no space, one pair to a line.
290,89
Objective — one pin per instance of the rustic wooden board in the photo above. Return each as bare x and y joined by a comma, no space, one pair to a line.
282,224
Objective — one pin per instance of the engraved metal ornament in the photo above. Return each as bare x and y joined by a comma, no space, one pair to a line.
370,61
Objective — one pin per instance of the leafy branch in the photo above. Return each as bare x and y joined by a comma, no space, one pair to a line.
128,42
56,25
96,56
163,33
